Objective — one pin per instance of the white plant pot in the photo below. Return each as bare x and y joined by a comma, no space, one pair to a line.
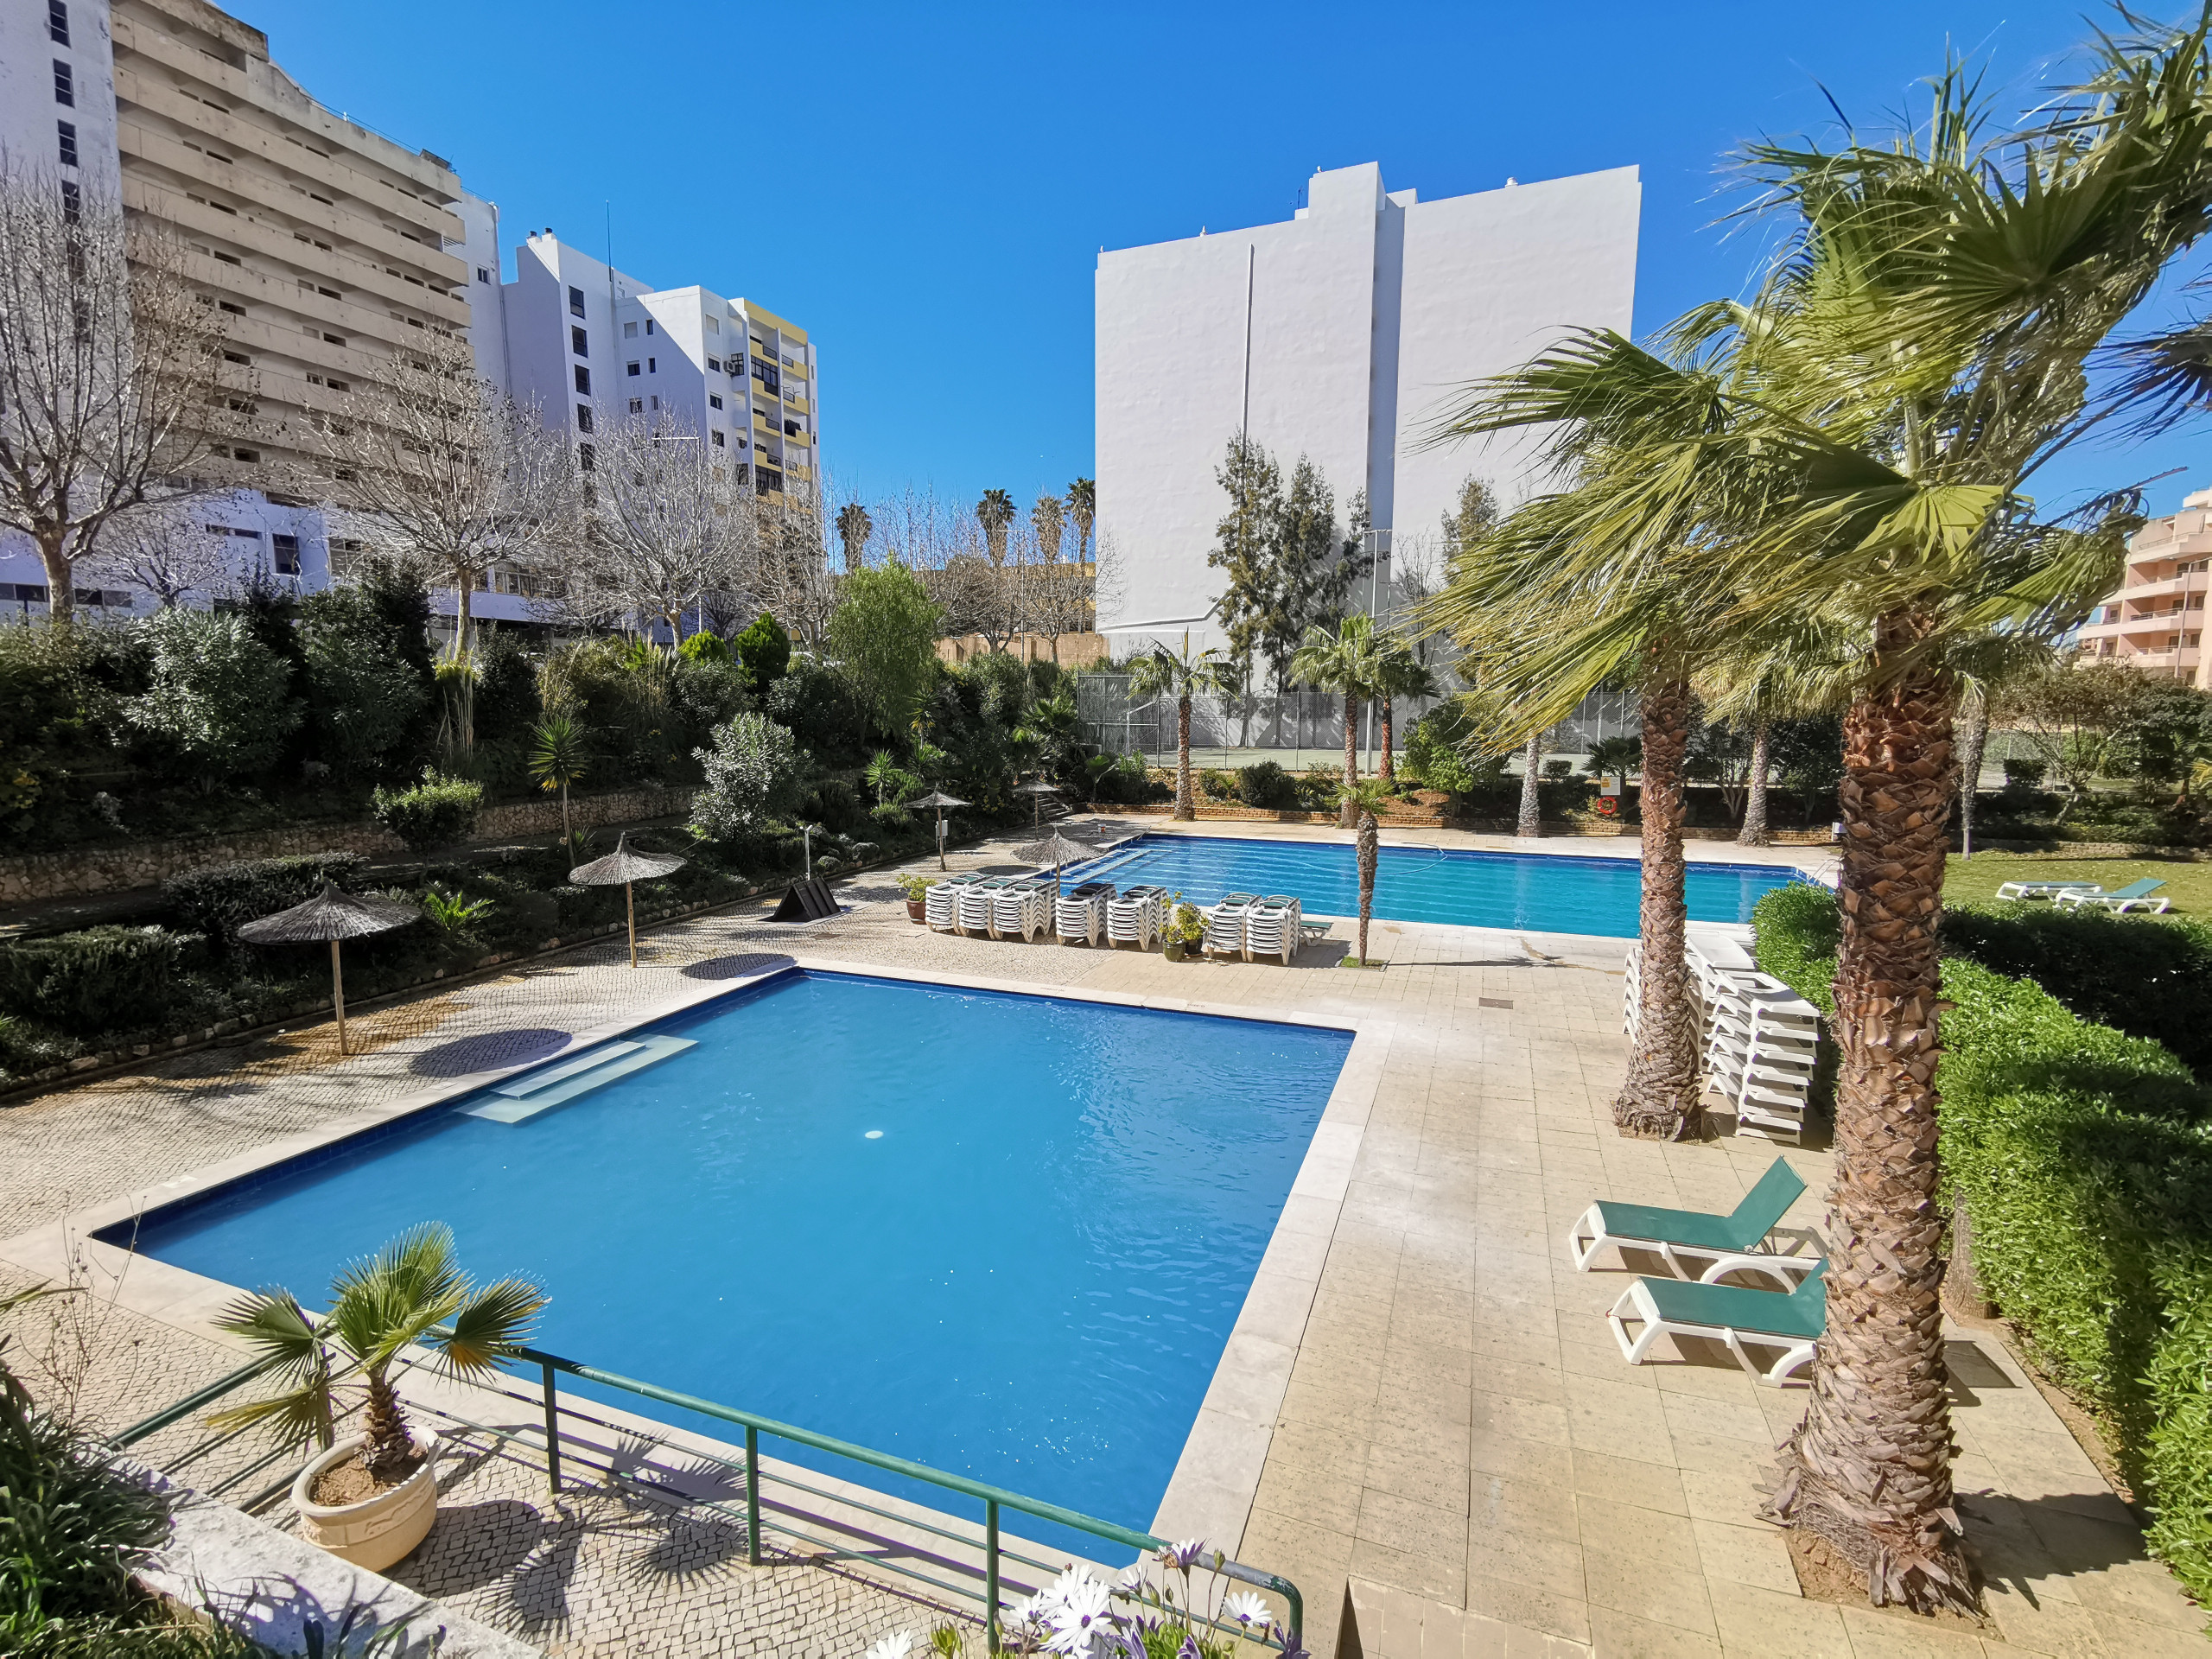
378,1531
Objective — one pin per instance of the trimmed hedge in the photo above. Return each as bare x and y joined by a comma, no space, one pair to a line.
223,898
435,812
101,979
2084,1156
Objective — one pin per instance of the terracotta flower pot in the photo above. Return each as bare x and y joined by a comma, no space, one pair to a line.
914,910
376,1531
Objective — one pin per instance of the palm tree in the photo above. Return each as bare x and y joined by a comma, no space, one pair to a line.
1398,673
557,759
1867,428
1083,513
412,1291
1343,661
1361,801
854,528
1529,821
1162,672
995,512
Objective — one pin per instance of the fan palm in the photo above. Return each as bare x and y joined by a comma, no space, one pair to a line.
1180,674
1921,349
1398,673
1343,661
412,1291
557,757
1361,802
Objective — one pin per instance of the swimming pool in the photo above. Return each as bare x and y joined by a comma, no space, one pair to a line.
1004,1236
1543,893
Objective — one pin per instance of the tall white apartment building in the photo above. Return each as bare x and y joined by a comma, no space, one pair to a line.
588,344
1338,336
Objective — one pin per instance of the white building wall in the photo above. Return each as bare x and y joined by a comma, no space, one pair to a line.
1335,336
29,107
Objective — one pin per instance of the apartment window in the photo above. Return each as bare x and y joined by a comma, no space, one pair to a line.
583,381
68,131
769,480
629,331
583,417
765,374
579,342
247,455
721,443
791,427
284,554
65,85
231,306
652,366
587,456
57,22
236,357
637,405
335,340
713,401
328,293
72,200
715,365
654,401
631,368
649,325
575,301
713,327
483,274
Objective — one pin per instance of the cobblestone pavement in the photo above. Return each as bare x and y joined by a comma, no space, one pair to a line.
1456,1428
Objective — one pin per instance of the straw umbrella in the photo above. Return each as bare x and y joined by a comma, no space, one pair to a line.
620,868
1037,788
940,800
1056,850
334,916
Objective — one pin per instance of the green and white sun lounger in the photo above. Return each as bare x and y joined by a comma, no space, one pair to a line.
2045,889
1729,1314
1740,1233
2136,895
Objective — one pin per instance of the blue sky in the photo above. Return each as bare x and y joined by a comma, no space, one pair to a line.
926,187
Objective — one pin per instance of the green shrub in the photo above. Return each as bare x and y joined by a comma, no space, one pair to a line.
2148,979
220,701
1440,753
1265,785
1797,929
102,979
1217,785
218,900
705,648
765,650
752,774
1316,788
72,1525
435,812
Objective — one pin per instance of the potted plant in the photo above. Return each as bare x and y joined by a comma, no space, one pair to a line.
369,1498
915,888
1186,927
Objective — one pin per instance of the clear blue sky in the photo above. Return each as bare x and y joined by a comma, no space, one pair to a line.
925,188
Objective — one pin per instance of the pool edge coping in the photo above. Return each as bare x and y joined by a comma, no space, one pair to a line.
1217,1474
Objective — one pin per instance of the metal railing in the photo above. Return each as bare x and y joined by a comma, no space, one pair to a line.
996,1500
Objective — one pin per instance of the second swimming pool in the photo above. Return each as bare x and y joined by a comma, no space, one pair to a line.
1541,892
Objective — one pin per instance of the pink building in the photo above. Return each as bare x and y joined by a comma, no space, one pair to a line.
2155,622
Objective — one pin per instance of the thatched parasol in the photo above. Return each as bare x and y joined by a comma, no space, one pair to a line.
620,868
1056,850
940,800
334,916
1039,788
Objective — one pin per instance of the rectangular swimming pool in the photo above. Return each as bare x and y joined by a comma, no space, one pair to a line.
1003,1235
1540,893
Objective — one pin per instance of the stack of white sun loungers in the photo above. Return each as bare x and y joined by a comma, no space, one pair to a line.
1759,1039
971,905
1081,912
1271,925
1225,924
937,903
1022,908
1136,917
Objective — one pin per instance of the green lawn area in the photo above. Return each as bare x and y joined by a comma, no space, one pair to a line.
1969,881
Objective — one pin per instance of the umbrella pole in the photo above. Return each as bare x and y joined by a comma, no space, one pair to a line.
941,864
630,898
338,995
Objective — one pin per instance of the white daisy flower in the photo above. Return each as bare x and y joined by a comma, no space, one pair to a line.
1080,1609
1247,1609
897,1645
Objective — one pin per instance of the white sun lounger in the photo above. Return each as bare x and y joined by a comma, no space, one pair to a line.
1271,928
1136,917
938,901
1081,913
971,908
2136,895
1729,1314
2044,889
1226,924
1022,909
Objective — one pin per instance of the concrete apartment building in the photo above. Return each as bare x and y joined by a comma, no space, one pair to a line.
323,244
1337,335
588,344
2156,620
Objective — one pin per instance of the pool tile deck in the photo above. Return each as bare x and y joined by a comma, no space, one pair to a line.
1451,1438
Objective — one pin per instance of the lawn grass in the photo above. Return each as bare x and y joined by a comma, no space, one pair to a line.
1975,880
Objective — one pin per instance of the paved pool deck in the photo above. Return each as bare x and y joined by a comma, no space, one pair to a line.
1437,1425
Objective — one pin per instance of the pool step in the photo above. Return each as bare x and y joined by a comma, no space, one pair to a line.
525,1097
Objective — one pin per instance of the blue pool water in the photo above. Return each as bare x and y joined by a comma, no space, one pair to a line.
1544,894
1027,1277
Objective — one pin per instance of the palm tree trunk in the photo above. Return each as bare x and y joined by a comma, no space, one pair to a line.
1183,810
1390,771
1869,1469
1531,823
1754,832
1659,1099
1974,738
388,1447
1369,839
568,834
1351,752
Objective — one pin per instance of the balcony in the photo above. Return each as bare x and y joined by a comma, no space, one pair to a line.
2193,581
2182,661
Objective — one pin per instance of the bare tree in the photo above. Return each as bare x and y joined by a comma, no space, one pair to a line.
1063,593
430,464
163,550
665,523
110,368
790,574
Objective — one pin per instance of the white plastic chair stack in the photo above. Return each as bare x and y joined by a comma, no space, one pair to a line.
1226,924
1271,928
971,908
1022,909
938,900
1761,1051
1081,912
1134,918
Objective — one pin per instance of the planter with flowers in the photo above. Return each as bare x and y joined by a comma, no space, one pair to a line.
1186,929
915,888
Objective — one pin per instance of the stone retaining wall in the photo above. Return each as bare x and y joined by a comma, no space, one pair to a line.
2090,849
78,871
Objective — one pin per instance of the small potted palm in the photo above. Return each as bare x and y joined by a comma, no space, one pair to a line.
1186,926
369,1498
915,888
